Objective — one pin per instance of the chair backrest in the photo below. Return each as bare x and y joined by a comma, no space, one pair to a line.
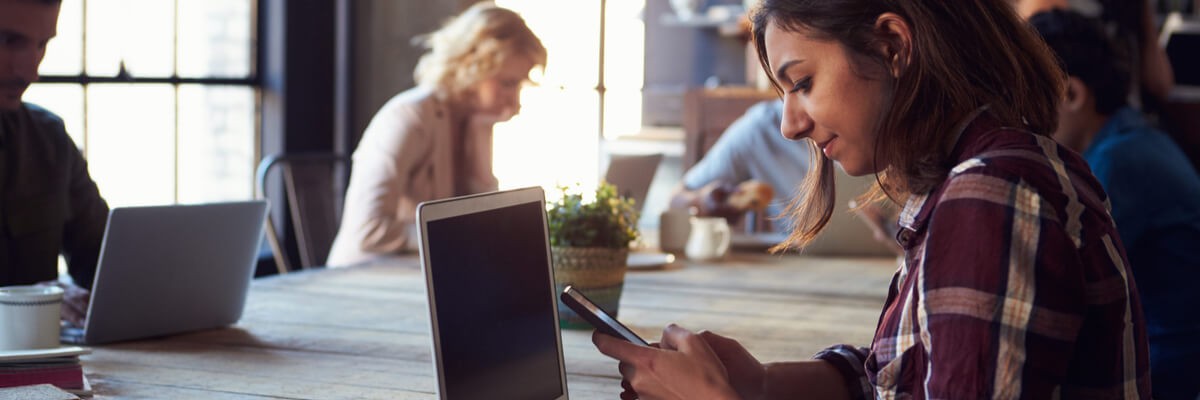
314,199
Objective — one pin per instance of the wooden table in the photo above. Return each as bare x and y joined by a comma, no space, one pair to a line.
363,332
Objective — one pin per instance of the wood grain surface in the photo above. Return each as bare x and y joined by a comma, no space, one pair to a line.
363,332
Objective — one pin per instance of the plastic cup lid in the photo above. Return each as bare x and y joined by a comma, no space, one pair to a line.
30,293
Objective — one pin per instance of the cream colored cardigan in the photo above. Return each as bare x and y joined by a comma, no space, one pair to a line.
406,156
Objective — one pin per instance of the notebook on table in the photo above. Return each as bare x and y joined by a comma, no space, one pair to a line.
59,367
492,302
172,269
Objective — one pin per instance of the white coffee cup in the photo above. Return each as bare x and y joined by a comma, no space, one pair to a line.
29,317
674,226
709,238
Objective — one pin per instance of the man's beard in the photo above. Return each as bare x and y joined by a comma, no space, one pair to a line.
15,84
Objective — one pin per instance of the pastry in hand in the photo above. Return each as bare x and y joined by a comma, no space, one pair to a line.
751,195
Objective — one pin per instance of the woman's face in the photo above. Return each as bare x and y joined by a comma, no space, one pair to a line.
499,96
827,99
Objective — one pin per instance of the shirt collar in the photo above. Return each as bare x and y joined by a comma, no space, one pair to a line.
967,137
1124,120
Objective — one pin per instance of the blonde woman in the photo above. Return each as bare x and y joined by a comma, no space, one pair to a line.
435,140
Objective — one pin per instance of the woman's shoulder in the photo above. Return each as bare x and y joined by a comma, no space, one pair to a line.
1011,162
416,99
1005,152
407,116
409,108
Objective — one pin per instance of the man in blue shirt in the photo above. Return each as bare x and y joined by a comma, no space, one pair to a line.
1152,187
750,149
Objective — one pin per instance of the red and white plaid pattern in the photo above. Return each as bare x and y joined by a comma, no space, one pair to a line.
1014,285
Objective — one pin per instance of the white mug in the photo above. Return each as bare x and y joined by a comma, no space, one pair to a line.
709,238
29,317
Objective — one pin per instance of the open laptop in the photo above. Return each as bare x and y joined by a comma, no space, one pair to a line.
1180,38
171,269
632,175
492,302
844,235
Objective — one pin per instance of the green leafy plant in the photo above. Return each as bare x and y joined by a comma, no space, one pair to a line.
607,221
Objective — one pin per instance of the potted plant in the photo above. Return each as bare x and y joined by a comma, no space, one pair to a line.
589,244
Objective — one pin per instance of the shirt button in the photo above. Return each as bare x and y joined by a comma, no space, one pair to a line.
905,237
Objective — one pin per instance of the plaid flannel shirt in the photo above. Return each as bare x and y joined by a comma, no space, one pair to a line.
1014,285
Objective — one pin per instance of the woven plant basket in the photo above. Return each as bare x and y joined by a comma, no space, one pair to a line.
598,272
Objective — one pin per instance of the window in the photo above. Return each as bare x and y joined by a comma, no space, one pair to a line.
556,138
163,104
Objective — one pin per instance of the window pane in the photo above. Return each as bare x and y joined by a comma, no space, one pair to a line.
572,44
625,44
64,99
622,112
64,54
131,142
553,140
215,38
216,143
145,43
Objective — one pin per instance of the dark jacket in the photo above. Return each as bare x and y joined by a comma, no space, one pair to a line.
49,205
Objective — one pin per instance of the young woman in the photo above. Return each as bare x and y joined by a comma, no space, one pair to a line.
1015,283
435,140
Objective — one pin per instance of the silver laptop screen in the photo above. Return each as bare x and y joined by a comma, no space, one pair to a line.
496,327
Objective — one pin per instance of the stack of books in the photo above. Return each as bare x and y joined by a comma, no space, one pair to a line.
58,366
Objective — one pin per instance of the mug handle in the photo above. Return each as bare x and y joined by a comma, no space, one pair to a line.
724,232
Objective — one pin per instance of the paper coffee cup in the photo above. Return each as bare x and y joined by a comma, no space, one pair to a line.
29,317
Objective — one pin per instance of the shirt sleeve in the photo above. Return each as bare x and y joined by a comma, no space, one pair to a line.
725,161
478,176
1001,294
849,362
83,231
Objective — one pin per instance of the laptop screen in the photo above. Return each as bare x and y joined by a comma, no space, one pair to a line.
494,309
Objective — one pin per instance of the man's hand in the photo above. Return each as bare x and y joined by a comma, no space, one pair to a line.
75,302
751,195
714,201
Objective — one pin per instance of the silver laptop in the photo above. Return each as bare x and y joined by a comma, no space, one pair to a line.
171,269
844,235
492,302
632,175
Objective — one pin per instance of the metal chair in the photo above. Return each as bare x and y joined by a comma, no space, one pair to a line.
314,200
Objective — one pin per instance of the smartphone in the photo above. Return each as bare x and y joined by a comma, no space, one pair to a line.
597,317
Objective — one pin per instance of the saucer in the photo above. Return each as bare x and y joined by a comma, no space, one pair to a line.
61,351
649,260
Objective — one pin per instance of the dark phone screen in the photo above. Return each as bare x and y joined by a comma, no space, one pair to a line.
495,304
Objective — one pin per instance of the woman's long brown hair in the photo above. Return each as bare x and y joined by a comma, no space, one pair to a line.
964,54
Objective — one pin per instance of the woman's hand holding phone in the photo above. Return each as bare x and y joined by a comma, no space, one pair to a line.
602,321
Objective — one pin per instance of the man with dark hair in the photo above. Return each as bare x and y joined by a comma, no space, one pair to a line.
49,204
1153,190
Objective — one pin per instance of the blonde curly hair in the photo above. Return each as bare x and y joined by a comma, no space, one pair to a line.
473,46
